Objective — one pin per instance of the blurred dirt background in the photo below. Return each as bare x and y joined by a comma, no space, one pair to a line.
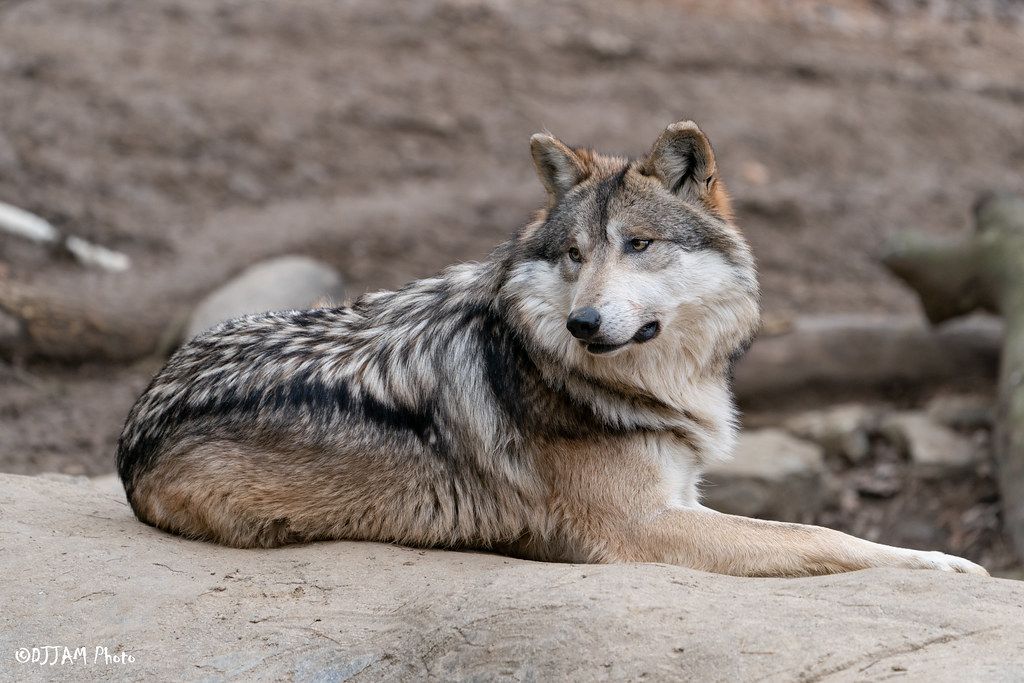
391,139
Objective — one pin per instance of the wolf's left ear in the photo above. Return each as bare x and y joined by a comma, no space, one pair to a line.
682,159
559,167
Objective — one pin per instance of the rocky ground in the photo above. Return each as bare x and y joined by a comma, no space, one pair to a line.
172,609
915,478
200,137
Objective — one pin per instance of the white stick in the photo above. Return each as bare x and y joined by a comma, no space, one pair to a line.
24,224
95,255
27,225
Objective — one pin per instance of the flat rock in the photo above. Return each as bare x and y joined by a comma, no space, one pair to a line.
80,571
934,449
278,284
771,475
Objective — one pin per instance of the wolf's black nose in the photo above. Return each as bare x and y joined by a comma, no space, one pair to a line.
583,322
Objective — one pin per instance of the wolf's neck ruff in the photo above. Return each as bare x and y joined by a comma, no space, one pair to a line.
666,389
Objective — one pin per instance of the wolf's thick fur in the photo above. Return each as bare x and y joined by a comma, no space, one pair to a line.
459,412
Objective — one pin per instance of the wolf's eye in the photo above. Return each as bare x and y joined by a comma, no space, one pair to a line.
638,245
575,255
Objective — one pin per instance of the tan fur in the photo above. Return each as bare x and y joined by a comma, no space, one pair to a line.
610,502
603,501
221,492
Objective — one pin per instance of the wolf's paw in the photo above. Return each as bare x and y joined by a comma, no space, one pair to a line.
923,559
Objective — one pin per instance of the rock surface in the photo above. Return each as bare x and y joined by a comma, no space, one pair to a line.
80,571
277,284
771,475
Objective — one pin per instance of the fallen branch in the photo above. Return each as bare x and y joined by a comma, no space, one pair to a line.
38,323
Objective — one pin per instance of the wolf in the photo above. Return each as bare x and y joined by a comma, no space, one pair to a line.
557,401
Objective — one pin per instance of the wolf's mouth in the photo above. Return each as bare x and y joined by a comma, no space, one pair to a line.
603,348
644,334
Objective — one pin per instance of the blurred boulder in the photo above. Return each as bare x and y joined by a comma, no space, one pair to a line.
842,430
934,449
963,411
283,283
771,475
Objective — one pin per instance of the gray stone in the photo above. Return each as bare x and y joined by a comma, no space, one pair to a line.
772,475
283,283
80,571
934,449
842,430
963,411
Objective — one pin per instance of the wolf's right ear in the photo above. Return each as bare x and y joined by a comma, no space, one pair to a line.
682,159
559,167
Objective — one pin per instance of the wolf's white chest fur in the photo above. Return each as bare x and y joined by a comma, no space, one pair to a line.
680,472
680,466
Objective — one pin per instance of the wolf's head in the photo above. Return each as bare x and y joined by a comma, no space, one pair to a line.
635,257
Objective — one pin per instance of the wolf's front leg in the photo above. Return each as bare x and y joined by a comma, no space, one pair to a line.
704,539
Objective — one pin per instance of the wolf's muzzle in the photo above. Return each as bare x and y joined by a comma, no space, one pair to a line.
586,332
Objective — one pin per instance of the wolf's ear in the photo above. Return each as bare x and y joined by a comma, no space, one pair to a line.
558,166
682,159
